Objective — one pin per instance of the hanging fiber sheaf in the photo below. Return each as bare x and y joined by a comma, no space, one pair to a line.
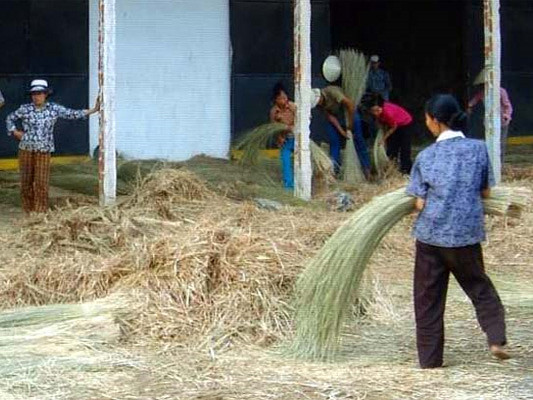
352,173
258,139
379,155
329,284
354,75
321,162
355,69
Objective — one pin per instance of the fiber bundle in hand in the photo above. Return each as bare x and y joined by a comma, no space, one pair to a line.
258,139
352,173
354,75
329,285
379,155
321,162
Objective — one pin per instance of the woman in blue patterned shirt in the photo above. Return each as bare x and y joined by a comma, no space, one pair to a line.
38,119
449,179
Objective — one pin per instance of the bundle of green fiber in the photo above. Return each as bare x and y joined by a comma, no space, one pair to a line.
64,336
379,155
354,75
352,173
58,313
355,67
508,201
321,161
329,285
257,139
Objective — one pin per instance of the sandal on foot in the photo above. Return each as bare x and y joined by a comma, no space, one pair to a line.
499,352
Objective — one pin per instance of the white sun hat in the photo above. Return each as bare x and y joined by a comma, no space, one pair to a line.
374,58
331,69
315,97
39,85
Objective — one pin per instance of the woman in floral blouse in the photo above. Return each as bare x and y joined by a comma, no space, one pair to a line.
36,139
449,179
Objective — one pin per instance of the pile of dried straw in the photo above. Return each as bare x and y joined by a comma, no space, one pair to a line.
201,269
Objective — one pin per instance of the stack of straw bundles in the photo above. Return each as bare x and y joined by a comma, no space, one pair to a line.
330,283
354,76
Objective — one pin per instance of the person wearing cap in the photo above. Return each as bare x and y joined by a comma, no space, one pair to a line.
336,106
36,139
506,109
378,80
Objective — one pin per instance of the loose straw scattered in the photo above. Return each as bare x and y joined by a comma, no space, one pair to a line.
330,282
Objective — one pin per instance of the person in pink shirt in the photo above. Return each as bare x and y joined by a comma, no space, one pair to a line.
395,121
505,106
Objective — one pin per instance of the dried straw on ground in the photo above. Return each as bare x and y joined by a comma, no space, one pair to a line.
205,270
330,283
58,258
258,139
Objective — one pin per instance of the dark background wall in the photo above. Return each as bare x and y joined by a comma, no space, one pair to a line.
420,44
262,42
45,39
428,46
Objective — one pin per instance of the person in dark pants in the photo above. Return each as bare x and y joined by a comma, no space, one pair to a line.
337,106
396,121
449,179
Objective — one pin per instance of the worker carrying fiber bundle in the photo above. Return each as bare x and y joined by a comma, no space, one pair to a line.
335,103
449,180
396,122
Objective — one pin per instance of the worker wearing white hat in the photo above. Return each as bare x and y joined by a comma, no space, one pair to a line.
36,139
378,80
336,105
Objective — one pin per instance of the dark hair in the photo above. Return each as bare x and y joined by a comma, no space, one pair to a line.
370,100
277,90
446,109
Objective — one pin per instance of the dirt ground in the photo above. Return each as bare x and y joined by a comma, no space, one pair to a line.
378,359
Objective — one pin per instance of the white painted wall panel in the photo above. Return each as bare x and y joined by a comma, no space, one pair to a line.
173,78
